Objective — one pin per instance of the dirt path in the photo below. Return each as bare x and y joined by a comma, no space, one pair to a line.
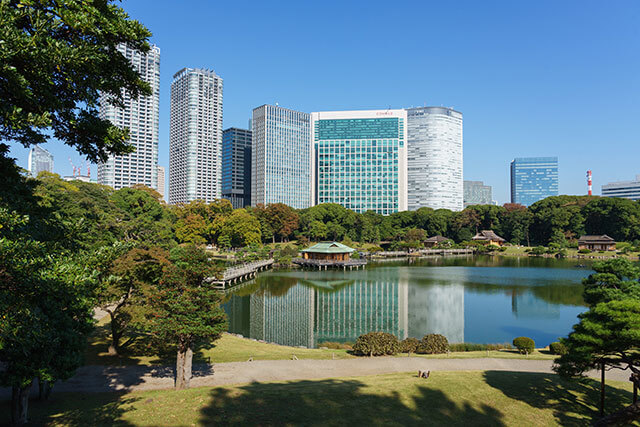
105,378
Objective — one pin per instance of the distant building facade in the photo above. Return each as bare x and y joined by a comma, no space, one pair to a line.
435,166
623,189
236,167
280,157
39,160
360,159
195,151
476,193
533,179
141,117
161,179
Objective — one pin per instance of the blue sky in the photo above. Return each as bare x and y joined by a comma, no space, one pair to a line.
536,78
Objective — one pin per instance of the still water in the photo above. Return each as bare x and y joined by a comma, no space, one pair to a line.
467,299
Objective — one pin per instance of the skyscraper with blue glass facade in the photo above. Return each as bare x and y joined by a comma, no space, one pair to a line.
360,159
236,167
280,157
533,179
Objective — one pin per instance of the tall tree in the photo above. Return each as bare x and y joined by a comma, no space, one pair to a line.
45,301
282,219
56,58
608,334
185,309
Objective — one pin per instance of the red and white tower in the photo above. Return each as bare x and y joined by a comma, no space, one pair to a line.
589,182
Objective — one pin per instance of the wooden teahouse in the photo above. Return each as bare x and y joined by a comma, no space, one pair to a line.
597,243
328,254
489,236
434,241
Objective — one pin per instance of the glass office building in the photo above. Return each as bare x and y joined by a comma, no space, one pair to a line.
236,167
624,189
39,160
476,193
360,159
141,117
435,158
280,157
195,148
533,179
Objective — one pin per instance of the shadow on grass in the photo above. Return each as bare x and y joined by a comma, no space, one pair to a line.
569,400
339,402
74,409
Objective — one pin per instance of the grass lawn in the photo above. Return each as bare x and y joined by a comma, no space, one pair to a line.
231,348
446,398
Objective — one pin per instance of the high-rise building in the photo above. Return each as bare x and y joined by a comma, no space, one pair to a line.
476,193
39,160
280,157
624,189
360,159
533,179
435,158
161,179
195,151
141,117
236,167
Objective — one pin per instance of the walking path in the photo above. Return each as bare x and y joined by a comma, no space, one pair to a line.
106,378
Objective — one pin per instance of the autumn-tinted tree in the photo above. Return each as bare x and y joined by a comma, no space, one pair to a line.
185,309
56,58
282,219
127,275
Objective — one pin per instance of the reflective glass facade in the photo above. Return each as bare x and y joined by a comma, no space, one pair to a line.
435,158
533,179
624,189
360,160
236,167
39,160
280,157
476,193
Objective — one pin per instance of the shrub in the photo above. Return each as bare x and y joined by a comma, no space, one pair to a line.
557,348
433,344
584,251
409,345
524,344
376,344
467,346
538,250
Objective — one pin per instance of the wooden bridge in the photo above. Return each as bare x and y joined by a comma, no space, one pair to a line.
238,273
422,252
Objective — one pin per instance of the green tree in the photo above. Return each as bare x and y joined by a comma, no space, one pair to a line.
185,308
607,336
57,58
617,218
240,229
143,218
46,312
191,229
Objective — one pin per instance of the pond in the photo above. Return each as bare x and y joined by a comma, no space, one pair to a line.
467,299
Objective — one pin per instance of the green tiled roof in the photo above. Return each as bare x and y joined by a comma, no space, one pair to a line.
329,248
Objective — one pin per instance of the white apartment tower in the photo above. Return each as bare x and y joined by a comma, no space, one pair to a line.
141,117
39,160
195,152
435,158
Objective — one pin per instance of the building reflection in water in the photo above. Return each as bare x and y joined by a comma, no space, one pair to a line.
333,309
525,305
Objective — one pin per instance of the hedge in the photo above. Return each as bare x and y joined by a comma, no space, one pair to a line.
433,344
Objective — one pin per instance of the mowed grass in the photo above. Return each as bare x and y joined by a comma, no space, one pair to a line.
231,348
446,398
